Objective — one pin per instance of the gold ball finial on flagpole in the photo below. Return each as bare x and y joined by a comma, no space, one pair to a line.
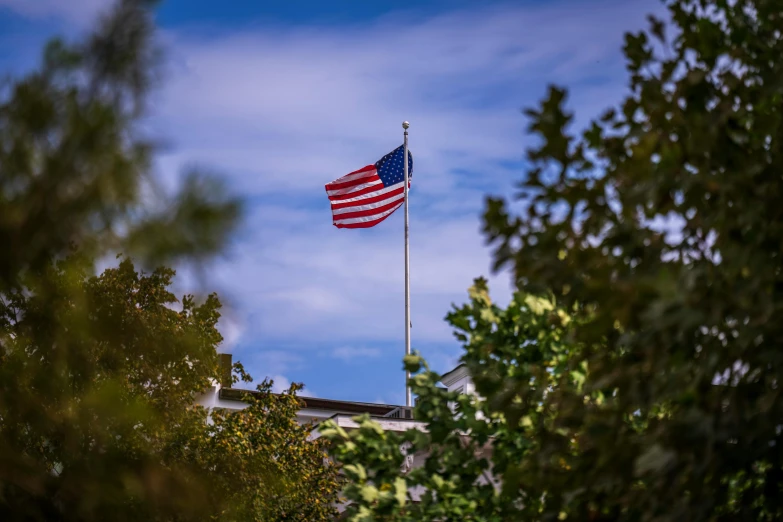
405,125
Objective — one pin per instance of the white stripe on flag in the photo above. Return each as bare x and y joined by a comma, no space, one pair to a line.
366,219
384,190
347,190
369,206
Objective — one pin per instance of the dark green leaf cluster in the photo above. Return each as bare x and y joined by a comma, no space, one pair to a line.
96,375
645,384
98,381
75,166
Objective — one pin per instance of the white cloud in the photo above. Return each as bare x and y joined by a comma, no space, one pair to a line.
80,12
282,383
231,330
352,353
289,109
283,110
323,283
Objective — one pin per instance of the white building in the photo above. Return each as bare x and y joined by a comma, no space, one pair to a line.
222,395
390,417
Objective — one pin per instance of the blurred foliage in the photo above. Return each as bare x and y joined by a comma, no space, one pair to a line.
636,374
99,374
98,380
76,168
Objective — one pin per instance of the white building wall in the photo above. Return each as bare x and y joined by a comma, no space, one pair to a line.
459,380
210,399
456,380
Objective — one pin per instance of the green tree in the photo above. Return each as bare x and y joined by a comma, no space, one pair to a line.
658,231
519,357
263,464
98,382
98,375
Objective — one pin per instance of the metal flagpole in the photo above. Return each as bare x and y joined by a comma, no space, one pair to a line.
405,126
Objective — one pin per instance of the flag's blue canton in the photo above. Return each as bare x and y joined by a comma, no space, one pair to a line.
390,167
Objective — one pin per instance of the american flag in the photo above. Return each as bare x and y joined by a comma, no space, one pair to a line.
367,196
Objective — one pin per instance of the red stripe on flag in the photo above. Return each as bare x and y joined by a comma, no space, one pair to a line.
367,178
368,199
350,179
358,192
368,212
364,224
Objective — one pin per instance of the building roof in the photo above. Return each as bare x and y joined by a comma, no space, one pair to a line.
235,394
457,373
332,405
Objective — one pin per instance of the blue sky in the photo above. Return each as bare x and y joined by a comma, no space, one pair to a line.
283,96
